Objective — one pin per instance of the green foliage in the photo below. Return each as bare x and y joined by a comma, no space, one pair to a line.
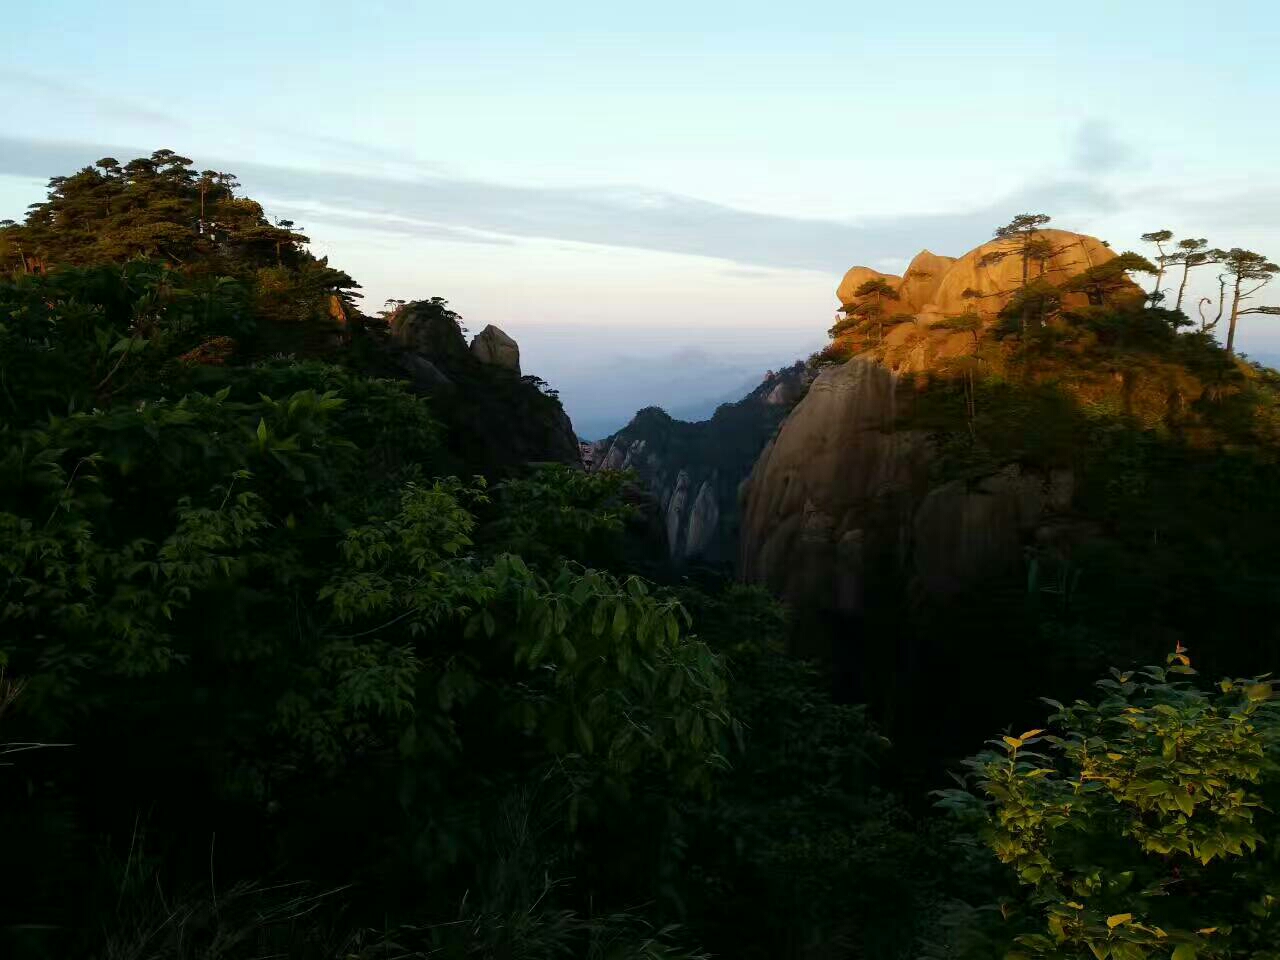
282,674
559,511
878,288
799,821
244,600
191,224
1105,282
969,323
1023,240
1136,828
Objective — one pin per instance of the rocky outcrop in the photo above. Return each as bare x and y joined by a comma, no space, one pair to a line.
996,281
984,279
493,346
429,329
497,420
844,494
919,285
693,471
981,283
856,277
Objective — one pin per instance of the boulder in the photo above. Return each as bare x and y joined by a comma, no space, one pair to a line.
430,329
921,281
856,277
1072,253
493,346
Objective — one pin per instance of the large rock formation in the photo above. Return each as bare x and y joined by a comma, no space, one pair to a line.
981,283
843,491
493,346
693,471
996,282
990,274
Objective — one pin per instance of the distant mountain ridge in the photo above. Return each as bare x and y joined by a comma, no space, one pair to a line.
694,470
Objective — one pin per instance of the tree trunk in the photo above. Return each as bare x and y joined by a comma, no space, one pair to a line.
1159,274
1182,287
1235,313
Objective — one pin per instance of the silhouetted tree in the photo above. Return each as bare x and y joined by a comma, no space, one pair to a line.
1191,253
1159,238
1023,233
1247,273
1205,323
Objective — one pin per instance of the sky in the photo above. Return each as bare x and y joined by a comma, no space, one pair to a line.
666,194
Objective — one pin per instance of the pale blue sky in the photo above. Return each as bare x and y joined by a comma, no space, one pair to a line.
667,174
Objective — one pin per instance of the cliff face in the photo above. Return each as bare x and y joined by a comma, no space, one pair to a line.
694,471
842,493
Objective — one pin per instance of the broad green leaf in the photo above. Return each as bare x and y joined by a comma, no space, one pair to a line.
1257,692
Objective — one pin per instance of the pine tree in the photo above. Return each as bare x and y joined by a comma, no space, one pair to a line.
1023,233
1191,253
1103,283
872,296
1243,268
1159,238
1027,244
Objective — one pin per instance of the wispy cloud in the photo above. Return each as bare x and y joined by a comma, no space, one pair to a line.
1098,149
399,226
20,82
619,217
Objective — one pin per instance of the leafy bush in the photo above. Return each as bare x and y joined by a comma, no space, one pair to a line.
1140,827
